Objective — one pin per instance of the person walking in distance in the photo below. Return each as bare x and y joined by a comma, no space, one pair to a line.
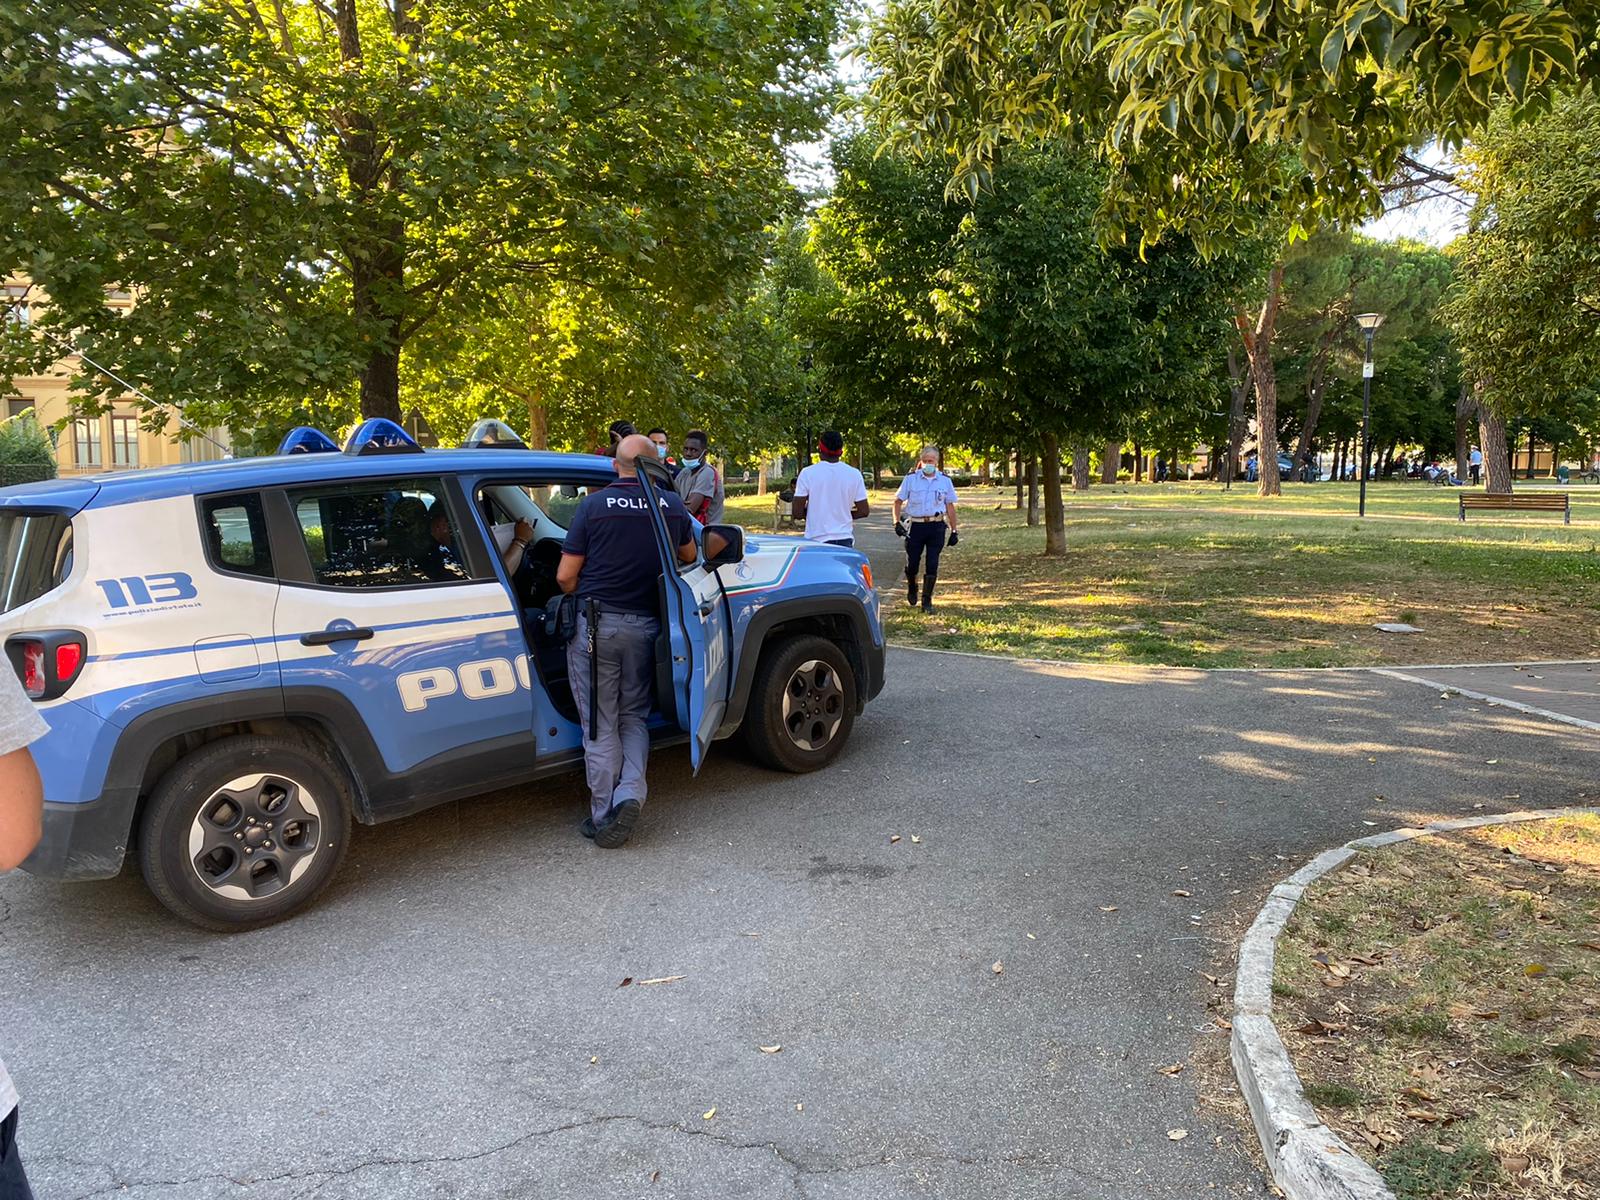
699,486
1475,464
926,502
611,562
21,812
830,494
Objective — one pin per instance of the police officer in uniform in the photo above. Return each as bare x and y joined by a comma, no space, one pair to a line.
611,560
924,507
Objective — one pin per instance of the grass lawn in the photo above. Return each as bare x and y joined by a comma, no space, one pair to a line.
1441,1000
1188,575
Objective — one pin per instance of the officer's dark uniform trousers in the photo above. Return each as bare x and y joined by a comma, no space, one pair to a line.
923,537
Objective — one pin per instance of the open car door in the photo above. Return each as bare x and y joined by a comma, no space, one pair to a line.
697,628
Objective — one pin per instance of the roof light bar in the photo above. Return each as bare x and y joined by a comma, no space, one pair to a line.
304,439
379,435
489,434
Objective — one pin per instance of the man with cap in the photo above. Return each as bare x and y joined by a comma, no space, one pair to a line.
926,502
830,494
611,560
699,485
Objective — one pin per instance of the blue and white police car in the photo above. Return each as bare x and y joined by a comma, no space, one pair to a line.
239,659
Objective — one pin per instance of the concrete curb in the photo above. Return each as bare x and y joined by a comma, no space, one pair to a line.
1307,1159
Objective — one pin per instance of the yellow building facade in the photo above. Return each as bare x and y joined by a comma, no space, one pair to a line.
112,441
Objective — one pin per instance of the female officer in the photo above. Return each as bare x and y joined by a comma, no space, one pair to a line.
927,501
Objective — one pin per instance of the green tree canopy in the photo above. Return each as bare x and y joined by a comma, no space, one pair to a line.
296,192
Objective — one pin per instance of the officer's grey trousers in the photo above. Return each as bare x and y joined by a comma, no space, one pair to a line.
614,760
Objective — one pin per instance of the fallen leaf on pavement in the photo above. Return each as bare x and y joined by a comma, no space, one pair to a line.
709,1113
1222,1023
1316,1027
655,1176
1174,1069
663,979
915,840
1533,970
626,982
1108,908
998,968
1426,1116
1177,1135
1032,781
769,1049
594,1060
1179,892
893,838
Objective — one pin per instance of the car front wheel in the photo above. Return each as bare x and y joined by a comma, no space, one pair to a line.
802,704
244,831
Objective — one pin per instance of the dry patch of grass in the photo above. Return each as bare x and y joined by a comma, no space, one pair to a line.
1441,1000
1190,577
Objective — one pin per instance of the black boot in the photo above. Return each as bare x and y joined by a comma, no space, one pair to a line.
927,591
911,587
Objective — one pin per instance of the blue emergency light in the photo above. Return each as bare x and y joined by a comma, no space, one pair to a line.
379,435
304,439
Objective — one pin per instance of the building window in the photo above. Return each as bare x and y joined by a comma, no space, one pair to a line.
86,441
15,408
124,441
14,298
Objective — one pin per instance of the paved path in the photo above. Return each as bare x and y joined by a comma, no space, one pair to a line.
1564,689
428,1029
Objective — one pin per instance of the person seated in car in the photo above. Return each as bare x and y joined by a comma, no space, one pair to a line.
441,561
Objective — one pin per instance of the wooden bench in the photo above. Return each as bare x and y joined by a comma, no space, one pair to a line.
1518,502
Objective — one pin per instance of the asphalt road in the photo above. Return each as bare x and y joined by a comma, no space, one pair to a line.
447,1022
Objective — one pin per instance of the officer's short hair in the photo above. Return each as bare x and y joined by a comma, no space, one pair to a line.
927,450
655,431
700,434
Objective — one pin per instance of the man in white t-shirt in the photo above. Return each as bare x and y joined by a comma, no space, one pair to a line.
21,810
830,494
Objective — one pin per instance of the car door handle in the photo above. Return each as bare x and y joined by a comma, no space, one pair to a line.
327,637
706,606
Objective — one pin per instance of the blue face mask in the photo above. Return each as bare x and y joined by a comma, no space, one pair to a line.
930,469
661,451
691,463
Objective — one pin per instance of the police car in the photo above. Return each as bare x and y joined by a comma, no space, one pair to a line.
239,659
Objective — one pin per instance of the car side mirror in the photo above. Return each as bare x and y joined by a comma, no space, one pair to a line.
732,549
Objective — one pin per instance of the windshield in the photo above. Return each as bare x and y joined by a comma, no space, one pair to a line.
35,556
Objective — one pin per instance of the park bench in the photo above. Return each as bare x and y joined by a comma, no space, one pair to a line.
1518,502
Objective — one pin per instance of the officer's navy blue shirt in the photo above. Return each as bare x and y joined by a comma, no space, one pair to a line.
621,557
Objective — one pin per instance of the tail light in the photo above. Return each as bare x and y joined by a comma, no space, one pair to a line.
47,663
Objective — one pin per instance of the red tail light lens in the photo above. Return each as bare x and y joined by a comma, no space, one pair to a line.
69,657
33,677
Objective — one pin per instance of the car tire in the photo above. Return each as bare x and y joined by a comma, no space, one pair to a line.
802,704
244,831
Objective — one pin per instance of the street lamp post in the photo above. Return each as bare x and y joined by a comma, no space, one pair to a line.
1369,323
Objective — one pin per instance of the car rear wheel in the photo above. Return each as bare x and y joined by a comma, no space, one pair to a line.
802,704
244,831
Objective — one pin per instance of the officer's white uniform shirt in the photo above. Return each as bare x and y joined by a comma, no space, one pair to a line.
924,497
831,490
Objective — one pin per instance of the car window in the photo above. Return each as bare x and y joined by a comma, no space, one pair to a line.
390,533
235,533
548,505
35,556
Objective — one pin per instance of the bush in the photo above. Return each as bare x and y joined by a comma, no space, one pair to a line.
26,454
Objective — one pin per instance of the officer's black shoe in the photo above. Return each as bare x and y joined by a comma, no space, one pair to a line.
587,828
617,828
927,593
911,587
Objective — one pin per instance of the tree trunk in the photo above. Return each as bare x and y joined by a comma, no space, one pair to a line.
1138,463
1019,481
1080,468
1239,385
1055,518
1338,460
1496,458
1033,488
538,421
1257,339
1466,409
761,477
1531,453
1111,463
1316,387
